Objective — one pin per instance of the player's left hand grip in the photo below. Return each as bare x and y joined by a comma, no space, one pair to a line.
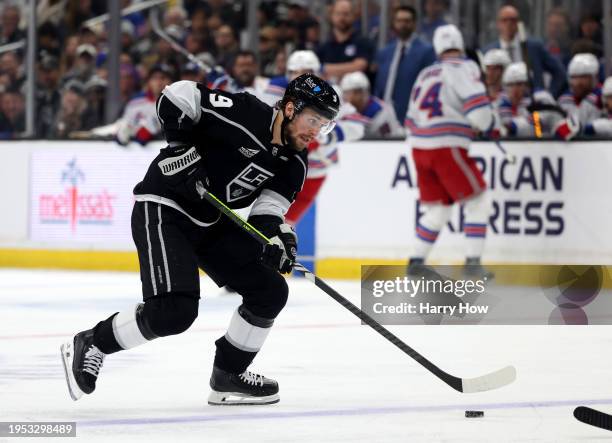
183,172
281,252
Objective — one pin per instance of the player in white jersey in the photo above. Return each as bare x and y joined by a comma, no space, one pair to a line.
139,121
583,101
379,116
323,152
448,106
602,126
495,62
515,102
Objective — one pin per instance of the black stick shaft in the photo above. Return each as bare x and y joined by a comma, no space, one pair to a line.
452,381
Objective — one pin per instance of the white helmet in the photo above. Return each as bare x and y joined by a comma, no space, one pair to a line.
496,57
447,37
607,87
355,80
583,64
515,73
303,60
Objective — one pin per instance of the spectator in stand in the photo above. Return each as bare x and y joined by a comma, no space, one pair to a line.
5,82
602,126
175,16
77,11
398,64
495,61
590,29
9,31
48,98
298,14
199,21
242,75
214,22
313,36
12,113
11,64
195,43
72,110
288,35
199,28
539,58
280,63
128,35
95,94
226,45
84,66
558,38
268,48
244,71
379,118
163,53
583,102
129,83
139,121
68,54
346,51
435,16
49,40
228,12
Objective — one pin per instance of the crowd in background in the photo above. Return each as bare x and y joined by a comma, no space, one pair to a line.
72,59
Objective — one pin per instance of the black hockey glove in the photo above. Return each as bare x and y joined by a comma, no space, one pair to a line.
281,252
183,171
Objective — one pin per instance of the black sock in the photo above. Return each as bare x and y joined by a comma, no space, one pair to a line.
104,337
231,359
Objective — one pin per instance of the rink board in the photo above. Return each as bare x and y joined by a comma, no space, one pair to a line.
71,203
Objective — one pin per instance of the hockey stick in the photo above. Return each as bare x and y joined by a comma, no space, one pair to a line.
486,382
476,57
537,124
510,157
155,25
593,417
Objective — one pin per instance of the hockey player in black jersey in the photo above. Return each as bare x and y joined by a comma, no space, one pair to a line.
244,152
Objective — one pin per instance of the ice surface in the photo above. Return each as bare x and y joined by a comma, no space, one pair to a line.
339,380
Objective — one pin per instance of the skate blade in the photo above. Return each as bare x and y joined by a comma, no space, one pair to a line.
67,350
237,399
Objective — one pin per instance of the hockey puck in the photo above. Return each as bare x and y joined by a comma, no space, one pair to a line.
473,414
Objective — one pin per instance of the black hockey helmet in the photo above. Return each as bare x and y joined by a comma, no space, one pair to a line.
308,90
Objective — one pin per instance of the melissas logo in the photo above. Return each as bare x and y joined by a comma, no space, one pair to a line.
75,206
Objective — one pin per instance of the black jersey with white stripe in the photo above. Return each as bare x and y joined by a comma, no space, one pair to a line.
224,142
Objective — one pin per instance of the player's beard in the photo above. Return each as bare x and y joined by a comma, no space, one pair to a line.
291,139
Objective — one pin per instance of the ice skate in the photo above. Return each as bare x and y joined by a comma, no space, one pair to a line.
82,362
241,389
473,269
417,269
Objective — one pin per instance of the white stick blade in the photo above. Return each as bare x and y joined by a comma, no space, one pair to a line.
491,381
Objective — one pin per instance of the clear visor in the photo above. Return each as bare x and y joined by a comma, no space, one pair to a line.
318,122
